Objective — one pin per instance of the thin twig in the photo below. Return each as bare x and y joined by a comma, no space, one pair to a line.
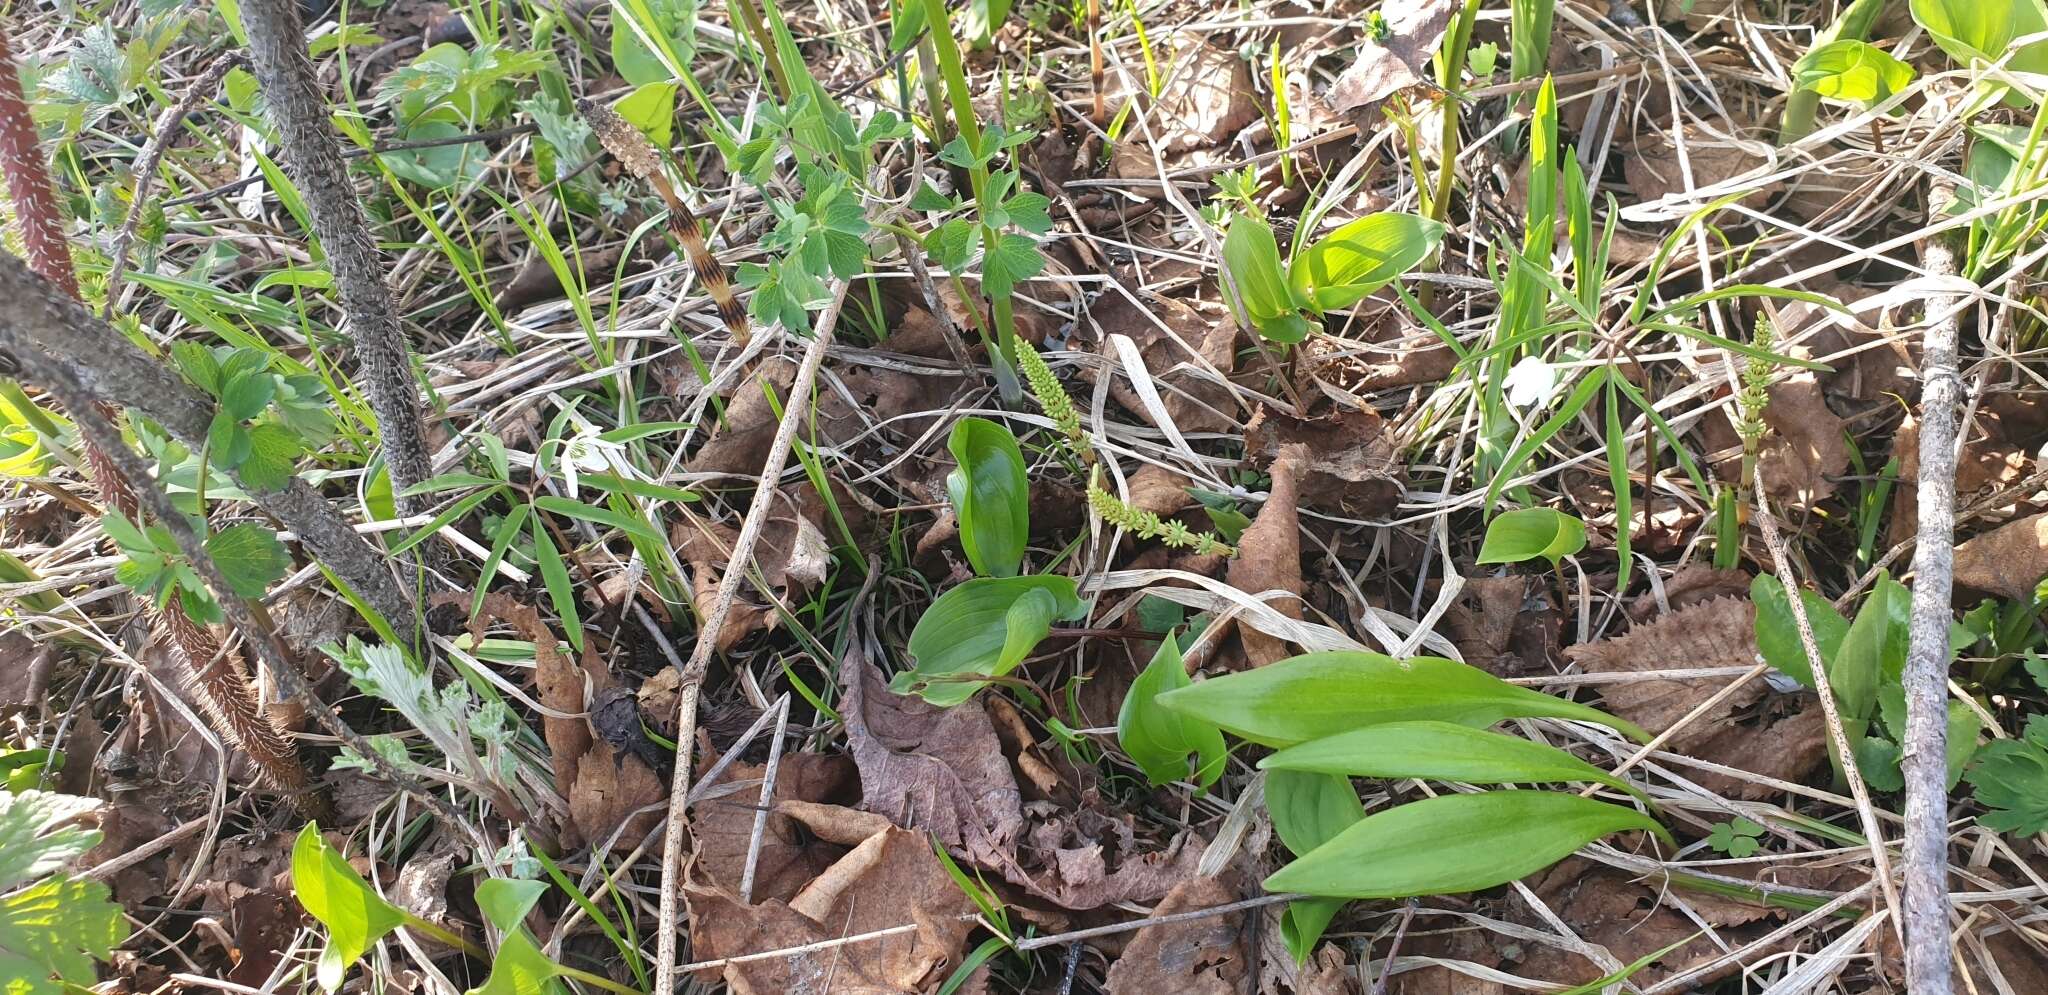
795,407
1928,954
767,800
145,167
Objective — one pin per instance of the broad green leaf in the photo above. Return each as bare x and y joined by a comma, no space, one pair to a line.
653,40
1852,70
519,967
1455,843
332,892
1777,632
651,107
1975,32
1878,759
1347,265
1322,694
1159,739
1309,808
1439,751
1308,811
1011,260
982,629
39,832
1874,646
1963,727
990,495
245,396
1527,533
55,928
555,575
1253,258
249,557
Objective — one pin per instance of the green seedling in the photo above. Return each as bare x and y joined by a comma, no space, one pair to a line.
1737,837
1333,272
356,916
1529,533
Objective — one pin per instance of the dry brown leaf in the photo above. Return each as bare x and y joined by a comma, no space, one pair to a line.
722,824
1159,490
720,926
1802,453
1205,94
1655,171
1352,466
1194,335
835,823
893,877
938,770
1718,633
792,555
2008,561
1607,908
1505,625
602,789
1690,586
1269,556
1203,956
1396,62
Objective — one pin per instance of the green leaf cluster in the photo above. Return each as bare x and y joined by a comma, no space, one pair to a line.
1338,715
1333,272
249,556
1853,71
1865,661
265,420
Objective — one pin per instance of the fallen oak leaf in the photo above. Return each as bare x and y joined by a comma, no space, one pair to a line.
2008,561
1204,956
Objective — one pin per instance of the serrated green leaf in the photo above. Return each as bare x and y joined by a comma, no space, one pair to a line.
273,456
928,198
2010,778
1440,751
1013,259
245,396
332,892
1030,211
1158,739
1455,843
39,832
1528,533
952,243
982,628
56,928
1347,265
249,557
1322,694
990,495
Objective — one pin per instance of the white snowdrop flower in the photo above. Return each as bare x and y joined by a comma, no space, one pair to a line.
587,453
1531,383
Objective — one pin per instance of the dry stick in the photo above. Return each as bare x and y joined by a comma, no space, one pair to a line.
95,428
794,409
145,166
277,49
1928,956
1872,829
767,800
112,369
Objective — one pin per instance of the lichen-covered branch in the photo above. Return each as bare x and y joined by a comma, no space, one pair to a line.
277,52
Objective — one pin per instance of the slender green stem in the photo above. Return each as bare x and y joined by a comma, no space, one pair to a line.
591,979
955,75
446,937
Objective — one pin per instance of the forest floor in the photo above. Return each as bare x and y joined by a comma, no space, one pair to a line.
1556,339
